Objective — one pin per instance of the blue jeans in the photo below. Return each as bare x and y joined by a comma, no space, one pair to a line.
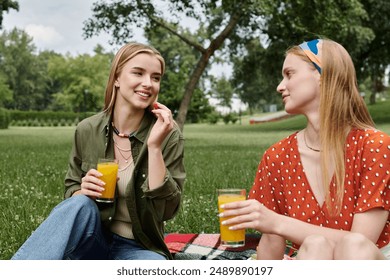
73,231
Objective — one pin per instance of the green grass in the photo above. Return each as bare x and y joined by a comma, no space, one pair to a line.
32,168
34,163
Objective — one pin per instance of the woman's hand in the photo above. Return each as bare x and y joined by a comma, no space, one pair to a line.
250,214
162,127
91,185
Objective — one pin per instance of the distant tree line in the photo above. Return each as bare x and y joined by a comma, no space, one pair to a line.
37,81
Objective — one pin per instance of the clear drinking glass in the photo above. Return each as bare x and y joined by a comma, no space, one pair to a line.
109,169
230,238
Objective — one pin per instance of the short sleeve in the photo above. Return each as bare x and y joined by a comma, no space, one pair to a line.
375,172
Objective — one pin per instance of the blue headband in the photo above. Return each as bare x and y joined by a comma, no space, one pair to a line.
311,49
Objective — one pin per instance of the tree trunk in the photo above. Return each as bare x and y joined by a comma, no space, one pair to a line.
194,79
201,66
377,86
372,98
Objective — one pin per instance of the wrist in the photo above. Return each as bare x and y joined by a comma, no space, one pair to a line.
279,224
154,149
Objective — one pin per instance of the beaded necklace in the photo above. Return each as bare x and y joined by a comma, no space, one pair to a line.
123,135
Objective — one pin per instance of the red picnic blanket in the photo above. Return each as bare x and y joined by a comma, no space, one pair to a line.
203,246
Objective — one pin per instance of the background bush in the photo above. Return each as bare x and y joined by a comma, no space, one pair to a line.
46,118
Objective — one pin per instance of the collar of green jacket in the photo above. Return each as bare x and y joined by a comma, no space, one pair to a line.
142,132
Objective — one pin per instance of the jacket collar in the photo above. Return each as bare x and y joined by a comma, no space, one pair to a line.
140,134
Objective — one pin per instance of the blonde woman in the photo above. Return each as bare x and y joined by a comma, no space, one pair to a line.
142,136
325,188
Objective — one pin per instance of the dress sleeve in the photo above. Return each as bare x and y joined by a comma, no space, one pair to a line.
374,187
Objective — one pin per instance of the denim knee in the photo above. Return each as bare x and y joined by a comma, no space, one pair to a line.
78,203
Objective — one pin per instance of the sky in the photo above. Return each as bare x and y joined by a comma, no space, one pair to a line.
57,25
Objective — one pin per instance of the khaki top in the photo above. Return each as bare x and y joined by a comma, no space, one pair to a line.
121,221
148,209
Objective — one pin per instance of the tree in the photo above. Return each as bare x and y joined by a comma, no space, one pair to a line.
373,60
179,60
219,20
252,78
22,70
80,81
5,91
222,90
5,6
257,69
50,86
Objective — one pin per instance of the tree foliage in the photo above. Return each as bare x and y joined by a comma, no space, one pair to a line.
291,22
47,80
218,21
222,90
250,76
82,79
56,82
252,35
230,28
5,91
22,70
180,61
373,60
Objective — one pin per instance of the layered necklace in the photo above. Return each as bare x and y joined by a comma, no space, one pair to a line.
121,150
304,138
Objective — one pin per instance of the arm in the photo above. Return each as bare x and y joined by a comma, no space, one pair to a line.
81,178
370,223
166,197
160,130
271,247
165,166
252,214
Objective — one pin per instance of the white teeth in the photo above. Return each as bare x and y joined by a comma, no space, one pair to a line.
143,94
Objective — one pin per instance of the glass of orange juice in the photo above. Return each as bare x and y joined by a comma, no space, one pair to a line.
109,169
230,238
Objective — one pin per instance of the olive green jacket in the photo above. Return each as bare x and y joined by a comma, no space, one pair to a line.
148,209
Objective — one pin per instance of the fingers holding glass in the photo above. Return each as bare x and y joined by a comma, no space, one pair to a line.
229,237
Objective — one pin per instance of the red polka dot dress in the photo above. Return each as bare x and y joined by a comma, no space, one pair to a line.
281,184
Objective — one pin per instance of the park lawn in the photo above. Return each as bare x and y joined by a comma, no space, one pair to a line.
34,163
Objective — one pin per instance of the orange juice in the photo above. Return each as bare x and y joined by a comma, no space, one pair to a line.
109,170
230,238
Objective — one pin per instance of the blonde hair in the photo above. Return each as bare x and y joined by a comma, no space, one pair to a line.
341,109
124,54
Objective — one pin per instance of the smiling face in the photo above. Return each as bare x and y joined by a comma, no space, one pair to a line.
300,87
138,83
